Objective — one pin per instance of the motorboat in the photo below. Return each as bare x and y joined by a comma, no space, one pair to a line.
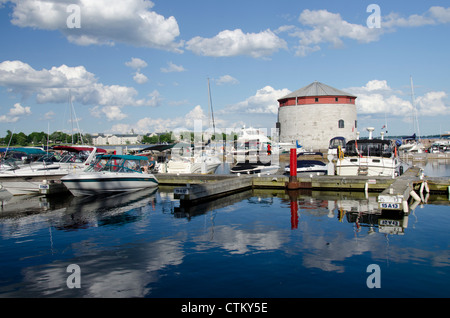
336,146
370,157
412,145
111,174
308,167
26,178
251,141
249,167
18,156
202,164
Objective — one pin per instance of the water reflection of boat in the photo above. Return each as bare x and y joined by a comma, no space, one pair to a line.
105,209
111,173
365,213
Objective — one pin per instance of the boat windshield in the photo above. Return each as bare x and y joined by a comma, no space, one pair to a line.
372,147
116,164
336,142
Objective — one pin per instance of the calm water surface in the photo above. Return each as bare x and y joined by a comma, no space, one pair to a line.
261,243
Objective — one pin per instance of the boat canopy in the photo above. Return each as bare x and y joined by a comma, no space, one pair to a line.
369,147
124,157
78,148
28,151
158,147
413,137
118,163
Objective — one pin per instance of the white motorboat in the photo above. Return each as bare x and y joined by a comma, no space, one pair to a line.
307,167
14,156
251,141
412,145
21,179
111,174
369,157
202,164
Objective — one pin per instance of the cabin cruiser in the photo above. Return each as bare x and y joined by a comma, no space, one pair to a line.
251,141
308,167
111,174
21,179
369,157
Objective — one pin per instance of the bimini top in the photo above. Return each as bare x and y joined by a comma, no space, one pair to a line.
317,89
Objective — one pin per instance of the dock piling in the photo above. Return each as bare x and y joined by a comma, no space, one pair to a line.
293,181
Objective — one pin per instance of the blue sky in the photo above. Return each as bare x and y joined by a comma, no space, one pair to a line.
144,66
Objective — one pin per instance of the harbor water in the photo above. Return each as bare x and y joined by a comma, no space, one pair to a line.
253,244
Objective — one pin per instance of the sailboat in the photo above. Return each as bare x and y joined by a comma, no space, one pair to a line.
194,159
413,144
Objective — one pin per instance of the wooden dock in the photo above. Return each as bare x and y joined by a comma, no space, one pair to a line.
394,192
396,196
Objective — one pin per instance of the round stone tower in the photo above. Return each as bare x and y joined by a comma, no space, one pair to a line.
314,114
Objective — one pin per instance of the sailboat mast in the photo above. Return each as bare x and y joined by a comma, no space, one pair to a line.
211,108
415,119
71,117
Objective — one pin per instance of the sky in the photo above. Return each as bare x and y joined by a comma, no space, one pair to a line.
144,66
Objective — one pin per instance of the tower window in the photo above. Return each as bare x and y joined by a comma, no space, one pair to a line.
336,99
341,123
316,99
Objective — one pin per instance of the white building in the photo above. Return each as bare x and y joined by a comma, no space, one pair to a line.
116,139
316,113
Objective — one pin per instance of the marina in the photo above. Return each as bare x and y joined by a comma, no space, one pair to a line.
252,218
212,156
263,242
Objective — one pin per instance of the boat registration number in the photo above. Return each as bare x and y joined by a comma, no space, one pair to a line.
43,187
395,223
184,191
392,206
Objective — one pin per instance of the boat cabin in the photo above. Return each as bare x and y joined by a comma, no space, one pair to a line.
370,148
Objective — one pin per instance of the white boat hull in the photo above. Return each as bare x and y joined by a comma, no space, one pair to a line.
18,184
368,166
207,165
107,182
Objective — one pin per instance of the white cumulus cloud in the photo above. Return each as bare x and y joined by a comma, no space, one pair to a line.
15,113
226,79
100,22
55,85
377,97
171,67
265,101
233,43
